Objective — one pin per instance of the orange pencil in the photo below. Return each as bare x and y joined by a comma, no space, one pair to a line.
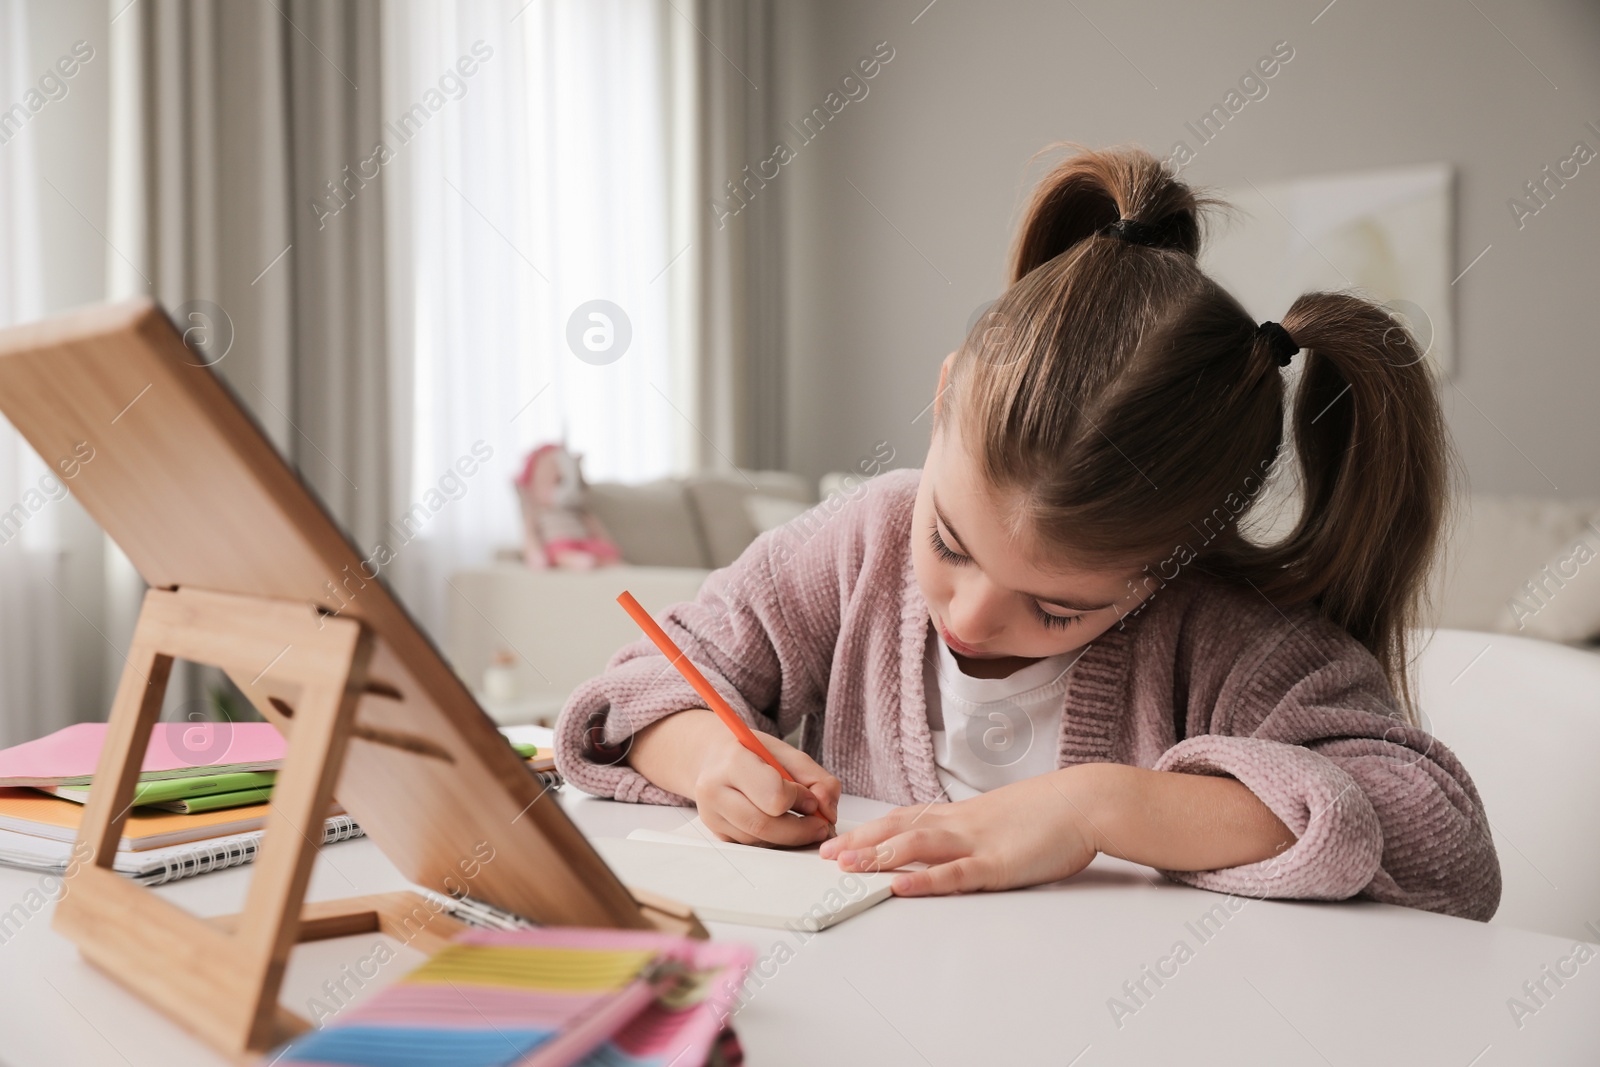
692,675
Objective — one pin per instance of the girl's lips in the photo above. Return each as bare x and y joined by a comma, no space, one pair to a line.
964,649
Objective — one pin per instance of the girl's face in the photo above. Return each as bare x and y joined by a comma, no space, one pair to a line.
988,590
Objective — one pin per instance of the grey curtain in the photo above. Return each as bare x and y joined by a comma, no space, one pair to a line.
241,131
737,232
240,201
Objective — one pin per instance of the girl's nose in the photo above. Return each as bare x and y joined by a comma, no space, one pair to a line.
975,610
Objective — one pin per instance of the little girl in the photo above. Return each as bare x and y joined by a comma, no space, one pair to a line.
1053,640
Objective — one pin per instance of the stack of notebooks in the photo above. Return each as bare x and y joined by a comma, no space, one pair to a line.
549,997
203,797
204,793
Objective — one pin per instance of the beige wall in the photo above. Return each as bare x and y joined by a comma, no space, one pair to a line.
70,146
941,143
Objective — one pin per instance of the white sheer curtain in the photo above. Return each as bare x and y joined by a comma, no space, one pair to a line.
33,694
528,174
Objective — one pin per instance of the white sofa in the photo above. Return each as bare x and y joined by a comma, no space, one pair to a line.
1524,565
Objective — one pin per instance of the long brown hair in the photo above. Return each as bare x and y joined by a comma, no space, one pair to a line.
1132,405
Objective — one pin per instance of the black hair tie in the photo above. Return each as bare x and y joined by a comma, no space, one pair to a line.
1282,346
1135,232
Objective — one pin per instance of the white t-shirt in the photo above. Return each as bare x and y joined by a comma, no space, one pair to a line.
988,732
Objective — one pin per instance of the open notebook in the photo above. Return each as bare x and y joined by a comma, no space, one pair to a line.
725,882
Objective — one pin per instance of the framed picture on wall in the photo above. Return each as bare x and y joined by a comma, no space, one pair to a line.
1386,234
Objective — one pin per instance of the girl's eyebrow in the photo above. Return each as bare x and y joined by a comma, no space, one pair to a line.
1052,601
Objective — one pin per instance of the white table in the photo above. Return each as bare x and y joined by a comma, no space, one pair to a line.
1012,978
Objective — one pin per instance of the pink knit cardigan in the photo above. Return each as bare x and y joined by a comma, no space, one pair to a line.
820,625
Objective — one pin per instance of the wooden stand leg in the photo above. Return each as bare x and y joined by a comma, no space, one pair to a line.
668,915
221,977
406,917
221,983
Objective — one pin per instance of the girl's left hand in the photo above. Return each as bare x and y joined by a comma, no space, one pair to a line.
1025,833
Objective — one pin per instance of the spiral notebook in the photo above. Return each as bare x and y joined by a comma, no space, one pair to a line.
158,865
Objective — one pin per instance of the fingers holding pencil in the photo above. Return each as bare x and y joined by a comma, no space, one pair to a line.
786,780
743,799
811,778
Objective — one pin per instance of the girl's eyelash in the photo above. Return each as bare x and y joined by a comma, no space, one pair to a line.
1055,622
950,555
944,551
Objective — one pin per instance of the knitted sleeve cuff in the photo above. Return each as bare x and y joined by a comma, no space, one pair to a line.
596,728
1340,843
586,760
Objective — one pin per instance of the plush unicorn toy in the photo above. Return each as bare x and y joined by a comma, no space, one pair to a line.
560,530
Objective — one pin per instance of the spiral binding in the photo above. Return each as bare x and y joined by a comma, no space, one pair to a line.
234,851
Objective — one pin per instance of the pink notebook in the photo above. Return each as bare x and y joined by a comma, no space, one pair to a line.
177,749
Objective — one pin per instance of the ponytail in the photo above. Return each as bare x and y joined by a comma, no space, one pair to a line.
1130,401
1373,467
1092,190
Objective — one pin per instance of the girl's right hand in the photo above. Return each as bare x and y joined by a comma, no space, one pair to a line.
739,796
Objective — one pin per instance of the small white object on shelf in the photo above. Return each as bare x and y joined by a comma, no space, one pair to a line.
500,678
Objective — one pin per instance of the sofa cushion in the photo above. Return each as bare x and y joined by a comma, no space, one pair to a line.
653,524
1560,601
1494,546
719,503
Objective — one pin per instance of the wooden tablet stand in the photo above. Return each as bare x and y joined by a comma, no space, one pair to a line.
222,978
249,573
305,671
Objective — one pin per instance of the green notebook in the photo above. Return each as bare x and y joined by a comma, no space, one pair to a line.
217,801
162,790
